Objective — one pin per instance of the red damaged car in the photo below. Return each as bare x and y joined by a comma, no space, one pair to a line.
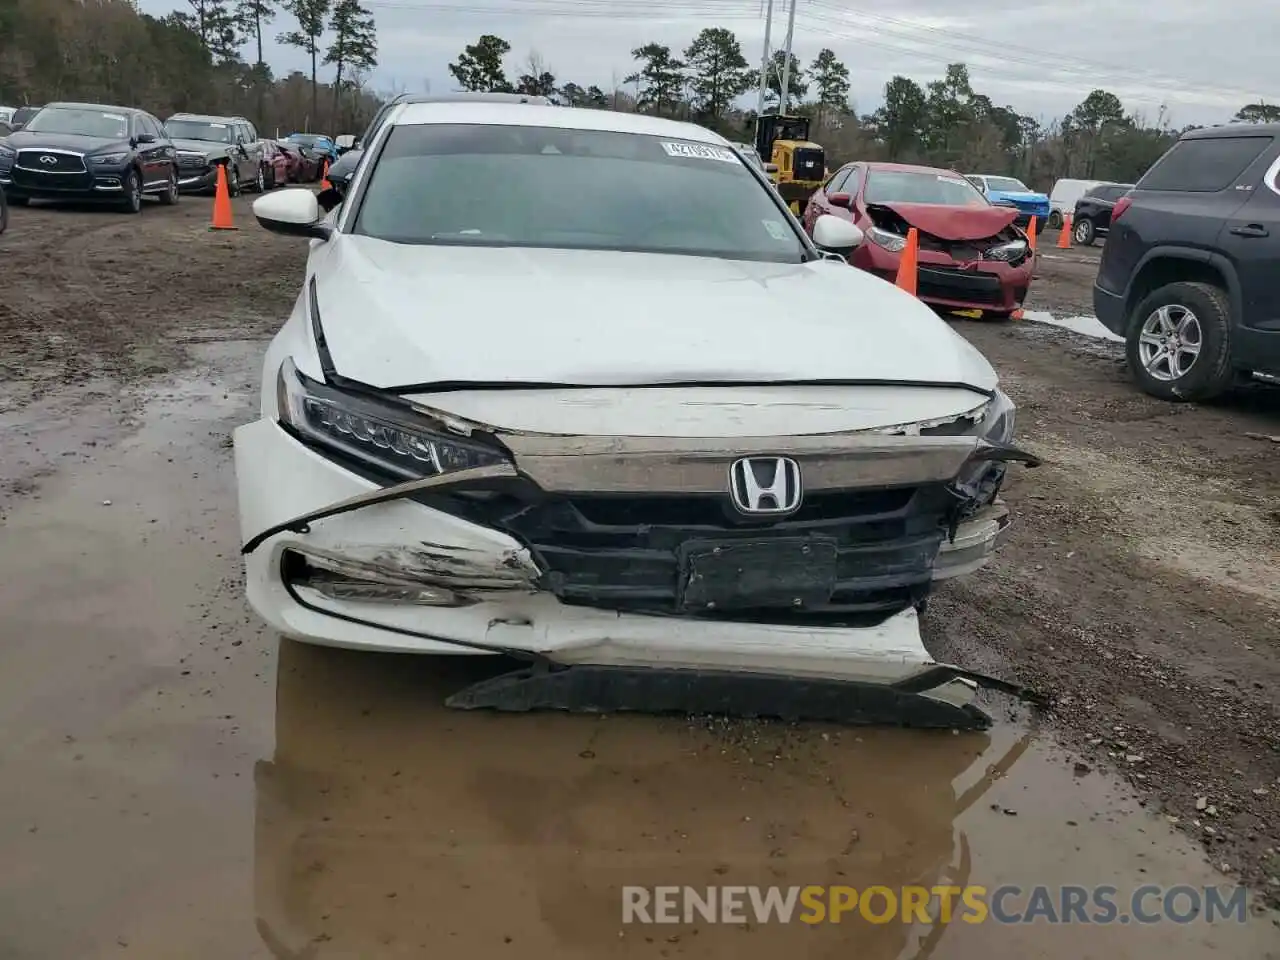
971,256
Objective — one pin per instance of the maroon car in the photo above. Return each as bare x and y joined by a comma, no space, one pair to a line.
971,256
303,168
277,164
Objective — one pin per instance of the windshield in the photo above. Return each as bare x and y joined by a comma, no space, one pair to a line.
305,139
1007,185
910,186
576,189
198,130
85,123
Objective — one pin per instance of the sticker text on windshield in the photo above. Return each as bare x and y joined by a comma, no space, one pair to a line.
699,151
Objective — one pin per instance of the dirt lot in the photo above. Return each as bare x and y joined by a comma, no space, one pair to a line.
178,782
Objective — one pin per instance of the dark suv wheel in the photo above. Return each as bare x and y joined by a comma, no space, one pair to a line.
1083,232
1179,342
132,188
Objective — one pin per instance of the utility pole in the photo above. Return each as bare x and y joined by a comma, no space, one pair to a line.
764,60
786,59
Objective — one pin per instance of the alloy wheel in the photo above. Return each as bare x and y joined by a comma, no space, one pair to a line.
1170,342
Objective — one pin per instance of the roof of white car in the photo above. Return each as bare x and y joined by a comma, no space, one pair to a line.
533,115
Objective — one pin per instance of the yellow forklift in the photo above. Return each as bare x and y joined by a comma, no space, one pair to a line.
800,164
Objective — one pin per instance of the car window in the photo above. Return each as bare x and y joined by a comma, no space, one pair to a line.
1204,165
835,184
251,133
1007,185
576,189
107,124
854,183
977,182
199,130
911,186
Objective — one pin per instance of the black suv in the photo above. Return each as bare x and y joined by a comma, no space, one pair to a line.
1092,217
1190,275
87,151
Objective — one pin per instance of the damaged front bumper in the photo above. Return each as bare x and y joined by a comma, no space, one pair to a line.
569,560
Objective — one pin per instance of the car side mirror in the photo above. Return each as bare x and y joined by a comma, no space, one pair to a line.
836,235
842,200
144,138
294,212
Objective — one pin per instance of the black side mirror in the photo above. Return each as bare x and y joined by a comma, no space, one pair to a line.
144,138
329,199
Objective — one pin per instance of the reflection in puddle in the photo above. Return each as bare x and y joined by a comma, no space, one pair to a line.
388,825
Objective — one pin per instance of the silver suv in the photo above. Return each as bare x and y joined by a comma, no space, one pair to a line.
206,142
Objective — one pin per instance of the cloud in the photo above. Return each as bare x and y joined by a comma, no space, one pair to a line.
1039,57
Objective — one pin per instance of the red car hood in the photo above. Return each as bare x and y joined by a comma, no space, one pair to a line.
954,223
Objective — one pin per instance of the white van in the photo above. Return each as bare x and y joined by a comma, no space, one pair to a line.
1063,197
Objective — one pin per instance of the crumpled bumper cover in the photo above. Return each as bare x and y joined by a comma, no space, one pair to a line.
478,589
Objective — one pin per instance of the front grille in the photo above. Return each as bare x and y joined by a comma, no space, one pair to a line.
971,286
47,161
809,165
624,552
191,161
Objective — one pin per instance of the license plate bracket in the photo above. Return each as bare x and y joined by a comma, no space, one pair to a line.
794,573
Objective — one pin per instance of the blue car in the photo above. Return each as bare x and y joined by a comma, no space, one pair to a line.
316,143
1008,192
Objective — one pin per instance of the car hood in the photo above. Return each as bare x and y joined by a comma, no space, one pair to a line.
1019,196
396,315
953,223
207,147
24,140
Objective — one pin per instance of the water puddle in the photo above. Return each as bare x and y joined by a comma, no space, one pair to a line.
179,783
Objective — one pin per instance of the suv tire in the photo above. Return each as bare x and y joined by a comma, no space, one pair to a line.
1083,232
233,179
1055,220
132,187
1186,305
170,195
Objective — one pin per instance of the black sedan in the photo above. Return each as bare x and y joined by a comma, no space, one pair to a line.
85,151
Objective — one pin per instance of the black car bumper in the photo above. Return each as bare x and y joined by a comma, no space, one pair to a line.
1110,310
97,183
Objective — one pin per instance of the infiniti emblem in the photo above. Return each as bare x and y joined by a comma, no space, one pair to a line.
761,486
50,160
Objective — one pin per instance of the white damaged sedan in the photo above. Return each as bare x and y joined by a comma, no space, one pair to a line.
574,386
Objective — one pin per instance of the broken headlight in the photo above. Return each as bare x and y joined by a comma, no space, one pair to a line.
390,437
893,242
1008,252
979,480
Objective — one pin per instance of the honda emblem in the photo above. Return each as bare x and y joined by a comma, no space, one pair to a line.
763,486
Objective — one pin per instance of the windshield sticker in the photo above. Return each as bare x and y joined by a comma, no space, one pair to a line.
218,126
700,151
115,116
956,180
776,230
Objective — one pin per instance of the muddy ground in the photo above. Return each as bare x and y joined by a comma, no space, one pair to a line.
178,782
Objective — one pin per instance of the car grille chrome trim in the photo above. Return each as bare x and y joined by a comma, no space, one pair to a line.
701,466
69,161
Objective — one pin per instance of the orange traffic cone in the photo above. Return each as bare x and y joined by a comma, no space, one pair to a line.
222,203
1064,238
907,264
1031,234
324,177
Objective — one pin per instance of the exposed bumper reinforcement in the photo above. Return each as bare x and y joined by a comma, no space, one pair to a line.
597,689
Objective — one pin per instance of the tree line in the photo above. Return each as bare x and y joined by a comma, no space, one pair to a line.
206,59
945,122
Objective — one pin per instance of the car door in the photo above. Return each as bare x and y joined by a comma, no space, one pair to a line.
1251,240
818,204
255,148
151,156
240,153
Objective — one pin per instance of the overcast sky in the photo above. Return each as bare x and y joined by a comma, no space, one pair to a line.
1204,60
